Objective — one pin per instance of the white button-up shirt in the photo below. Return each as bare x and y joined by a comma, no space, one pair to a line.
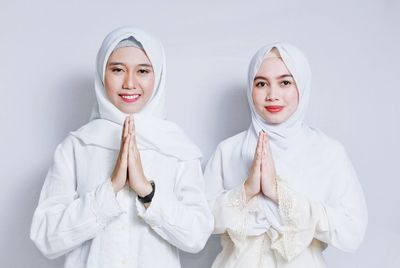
80,216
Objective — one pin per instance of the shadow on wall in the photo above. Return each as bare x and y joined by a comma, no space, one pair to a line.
71,108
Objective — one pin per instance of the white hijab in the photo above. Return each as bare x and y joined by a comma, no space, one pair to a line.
153,132
311,164
280,135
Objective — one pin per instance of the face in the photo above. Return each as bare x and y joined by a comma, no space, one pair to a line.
129,79
274,92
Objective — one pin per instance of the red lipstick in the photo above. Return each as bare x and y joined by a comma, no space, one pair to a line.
274,108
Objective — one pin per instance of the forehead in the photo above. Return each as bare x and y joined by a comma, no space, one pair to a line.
272,66
129,55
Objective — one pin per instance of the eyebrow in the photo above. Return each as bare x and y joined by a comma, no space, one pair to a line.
120,63
279,77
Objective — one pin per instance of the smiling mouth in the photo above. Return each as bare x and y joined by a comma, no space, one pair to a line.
274,109
129,98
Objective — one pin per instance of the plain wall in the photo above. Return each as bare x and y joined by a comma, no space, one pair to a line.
47,57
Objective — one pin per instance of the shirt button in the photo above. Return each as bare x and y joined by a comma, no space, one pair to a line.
124,262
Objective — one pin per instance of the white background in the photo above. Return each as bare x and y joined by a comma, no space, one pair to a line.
47,59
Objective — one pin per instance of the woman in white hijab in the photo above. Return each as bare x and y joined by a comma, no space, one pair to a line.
124,191
281,191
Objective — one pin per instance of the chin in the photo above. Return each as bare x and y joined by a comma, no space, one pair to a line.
127,110
274,120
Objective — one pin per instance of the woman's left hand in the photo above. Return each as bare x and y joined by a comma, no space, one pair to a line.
136,178
268,173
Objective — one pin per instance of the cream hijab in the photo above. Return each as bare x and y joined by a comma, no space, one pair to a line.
280,135
153,132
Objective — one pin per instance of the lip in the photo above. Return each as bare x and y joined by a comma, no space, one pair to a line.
274,108
130,98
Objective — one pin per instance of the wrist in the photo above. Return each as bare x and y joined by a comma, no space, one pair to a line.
271,192
250,193
274,194
116,186
146,200
145,188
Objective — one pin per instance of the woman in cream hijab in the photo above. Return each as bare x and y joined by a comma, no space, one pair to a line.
124,191
282,191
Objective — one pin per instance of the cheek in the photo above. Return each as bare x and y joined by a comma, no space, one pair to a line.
111,83
258,97
292,98
108,89
148,83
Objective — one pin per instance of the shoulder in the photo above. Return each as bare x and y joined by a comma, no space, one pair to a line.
227,149
68,145
326,146
232,143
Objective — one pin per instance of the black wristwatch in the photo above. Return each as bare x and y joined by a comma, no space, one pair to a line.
149,197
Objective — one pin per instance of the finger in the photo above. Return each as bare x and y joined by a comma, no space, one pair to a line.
125,129
257,165
123,136
267,147
269,160
130,124
257,156
264,144
259,146
124,153
133,134
127,124
263,155
135,148
132,142
266,139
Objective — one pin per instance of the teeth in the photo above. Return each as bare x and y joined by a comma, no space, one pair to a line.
130,97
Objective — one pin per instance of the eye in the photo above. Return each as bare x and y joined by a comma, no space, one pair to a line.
286,83
261,84
143,71
117,70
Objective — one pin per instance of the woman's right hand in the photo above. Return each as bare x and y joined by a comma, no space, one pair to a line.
252,185
120,173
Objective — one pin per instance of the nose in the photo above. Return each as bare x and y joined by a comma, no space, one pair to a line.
129,81
271,94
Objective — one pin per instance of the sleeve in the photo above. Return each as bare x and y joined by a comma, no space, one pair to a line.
232,213
181,217
63,220
237,217
340,222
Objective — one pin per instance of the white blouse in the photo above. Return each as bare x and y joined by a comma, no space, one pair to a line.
315,208
80,216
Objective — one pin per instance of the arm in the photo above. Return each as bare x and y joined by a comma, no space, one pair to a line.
181,217
339,221
63,220
234,212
